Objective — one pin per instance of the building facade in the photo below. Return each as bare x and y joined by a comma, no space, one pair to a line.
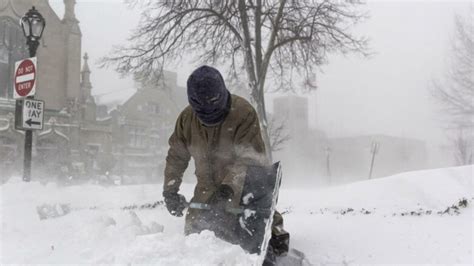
58,84
80,140
303,152
340,160
141,127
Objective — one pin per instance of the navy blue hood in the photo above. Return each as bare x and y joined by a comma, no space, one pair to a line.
208,95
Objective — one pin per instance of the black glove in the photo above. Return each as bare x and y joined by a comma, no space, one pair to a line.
221,221
175,203
223,194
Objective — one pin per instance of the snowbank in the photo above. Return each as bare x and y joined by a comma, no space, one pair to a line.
400,219
359,223
431,189
98,231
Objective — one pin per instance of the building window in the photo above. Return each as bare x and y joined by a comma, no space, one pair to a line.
93,149
137,137
154,138
12,48
153,108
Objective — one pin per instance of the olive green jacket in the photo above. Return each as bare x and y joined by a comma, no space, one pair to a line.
221,153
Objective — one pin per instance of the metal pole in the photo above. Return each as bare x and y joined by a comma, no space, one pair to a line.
32,46
328,162
375,148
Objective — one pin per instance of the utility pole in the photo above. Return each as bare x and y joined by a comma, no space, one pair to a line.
374,151
328,162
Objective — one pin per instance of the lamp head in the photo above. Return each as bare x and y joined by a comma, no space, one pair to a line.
33,25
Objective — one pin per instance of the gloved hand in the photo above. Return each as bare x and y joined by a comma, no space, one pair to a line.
221,221
223,194
175,203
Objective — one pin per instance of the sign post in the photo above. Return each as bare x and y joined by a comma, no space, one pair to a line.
28,112
33,25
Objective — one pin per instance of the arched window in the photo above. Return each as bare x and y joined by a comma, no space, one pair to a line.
12,48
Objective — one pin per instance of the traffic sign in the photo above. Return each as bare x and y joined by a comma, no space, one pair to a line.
29,114
25,78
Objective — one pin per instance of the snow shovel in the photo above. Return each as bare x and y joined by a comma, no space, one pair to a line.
255,214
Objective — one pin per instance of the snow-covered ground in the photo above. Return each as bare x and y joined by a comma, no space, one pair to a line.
402,219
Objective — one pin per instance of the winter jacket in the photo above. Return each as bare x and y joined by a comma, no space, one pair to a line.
221,153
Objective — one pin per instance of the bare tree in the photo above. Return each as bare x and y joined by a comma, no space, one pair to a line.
463,147
286,38
277,133
455,90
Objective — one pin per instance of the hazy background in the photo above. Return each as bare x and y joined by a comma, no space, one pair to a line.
385,94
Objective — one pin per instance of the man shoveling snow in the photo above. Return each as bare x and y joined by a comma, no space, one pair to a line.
221,132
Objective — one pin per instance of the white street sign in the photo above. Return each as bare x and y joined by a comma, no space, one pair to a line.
32,114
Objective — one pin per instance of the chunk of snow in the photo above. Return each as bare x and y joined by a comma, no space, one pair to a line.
244,226
246,199
249,213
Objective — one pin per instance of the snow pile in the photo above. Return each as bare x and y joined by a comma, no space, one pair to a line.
378,221
430,189
178,250
99,231
359,223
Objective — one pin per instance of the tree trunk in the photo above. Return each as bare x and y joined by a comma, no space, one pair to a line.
259,99
254,70
264,127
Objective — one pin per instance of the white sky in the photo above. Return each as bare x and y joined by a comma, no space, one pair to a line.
386,94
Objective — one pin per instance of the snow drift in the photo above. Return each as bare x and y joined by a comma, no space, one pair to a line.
393,220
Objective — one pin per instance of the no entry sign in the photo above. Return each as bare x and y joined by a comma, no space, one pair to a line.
25,78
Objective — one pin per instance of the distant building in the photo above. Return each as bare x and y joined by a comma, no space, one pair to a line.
59,53
293,110
142,125
351,158
80,139
69,115
303,153
338,160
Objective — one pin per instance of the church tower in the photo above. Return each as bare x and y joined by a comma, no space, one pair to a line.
86,100
86,85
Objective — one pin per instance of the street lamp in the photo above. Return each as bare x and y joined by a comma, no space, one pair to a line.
33,25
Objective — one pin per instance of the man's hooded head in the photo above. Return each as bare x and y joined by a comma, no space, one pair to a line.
208,95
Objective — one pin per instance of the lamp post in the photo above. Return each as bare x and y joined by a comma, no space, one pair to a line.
33,25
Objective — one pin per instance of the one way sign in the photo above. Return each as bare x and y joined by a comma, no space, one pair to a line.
30,115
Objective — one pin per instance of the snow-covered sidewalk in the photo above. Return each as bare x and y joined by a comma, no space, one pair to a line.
396,220
403,219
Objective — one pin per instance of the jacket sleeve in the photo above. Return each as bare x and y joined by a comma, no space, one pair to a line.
249,149
177,159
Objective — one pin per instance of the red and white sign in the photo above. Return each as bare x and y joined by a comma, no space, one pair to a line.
25,78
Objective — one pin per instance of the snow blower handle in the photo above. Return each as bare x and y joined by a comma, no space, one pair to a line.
205,206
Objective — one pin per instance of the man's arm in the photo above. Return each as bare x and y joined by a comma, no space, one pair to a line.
177,160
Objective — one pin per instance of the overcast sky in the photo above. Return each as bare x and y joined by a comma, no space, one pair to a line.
386,94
